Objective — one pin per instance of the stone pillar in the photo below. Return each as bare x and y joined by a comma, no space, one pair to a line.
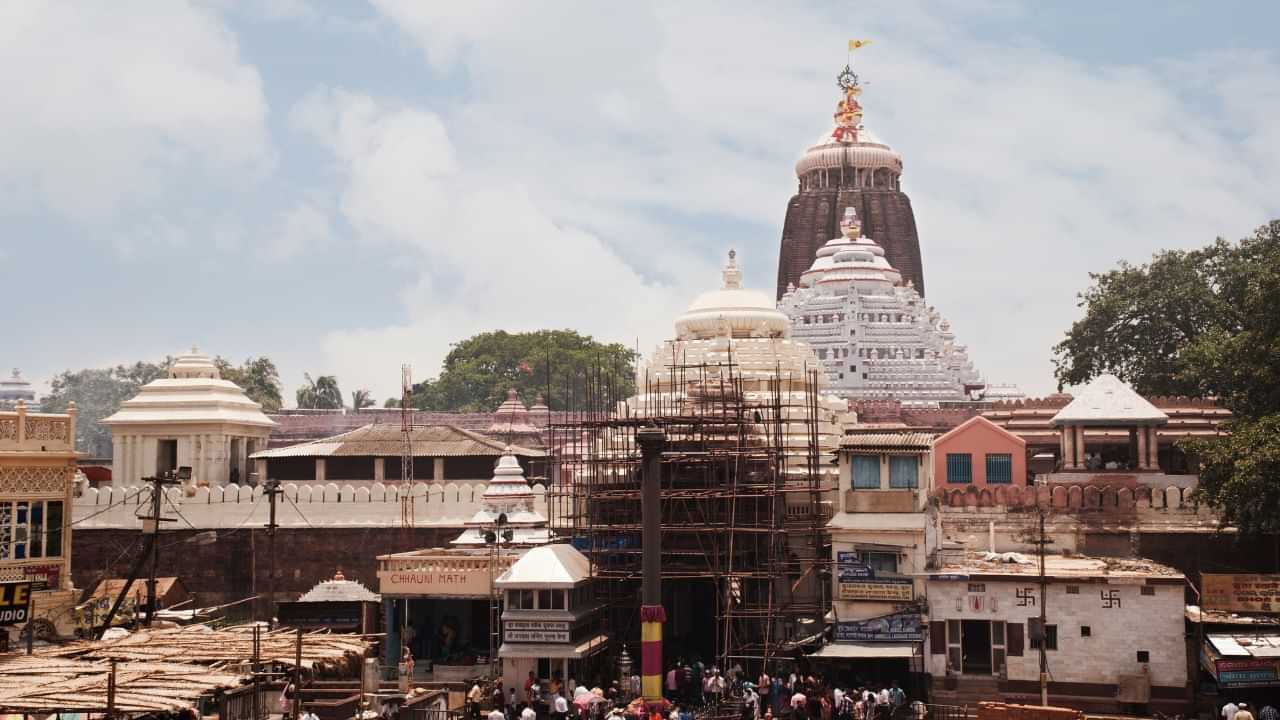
120,464
1080,446
117,445
321,471
1144,461
1153,445
1062,448
437,469
379,469
1069,442
391,656
260,469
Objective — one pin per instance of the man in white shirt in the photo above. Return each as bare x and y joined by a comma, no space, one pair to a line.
528,714
496,714
559,707
1229,711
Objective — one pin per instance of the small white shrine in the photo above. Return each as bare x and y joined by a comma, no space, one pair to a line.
191,418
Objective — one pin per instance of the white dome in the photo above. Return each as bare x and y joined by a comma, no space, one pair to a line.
732,310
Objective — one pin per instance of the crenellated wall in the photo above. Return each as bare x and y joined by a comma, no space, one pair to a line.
302,505
1175,495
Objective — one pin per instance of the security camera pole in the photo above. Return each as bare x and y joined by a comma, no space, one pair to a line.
652,615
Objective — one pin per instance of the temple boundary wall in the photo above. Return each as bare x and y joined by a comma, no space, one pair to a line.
302,505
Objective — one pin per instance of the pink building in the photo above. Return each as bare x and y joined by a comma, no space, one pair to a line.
979,453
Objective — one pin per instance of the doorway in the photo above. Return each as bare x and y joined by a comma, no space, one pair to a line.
166,456
975,647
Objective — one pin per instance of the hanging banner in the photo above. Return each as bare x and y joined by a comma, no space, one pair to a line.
895,627
15,603
1240,593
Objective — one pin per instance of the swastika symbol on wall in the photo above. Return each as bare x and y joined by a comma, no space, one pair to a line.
1026,597
1110,598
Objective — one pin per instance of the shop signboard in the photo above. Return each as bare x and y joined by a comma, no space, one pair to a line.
470,582
850,567
540,631
1249,672
15,603
43,577
885,589
895,627
1240,593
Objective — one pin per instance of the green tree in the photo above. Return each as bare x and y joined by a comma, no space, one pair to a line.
258,378
361,399
97,393
571,369
1199,322
321,393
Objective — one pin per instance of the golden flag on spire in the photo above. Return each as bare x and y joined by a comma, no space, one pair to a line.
855,44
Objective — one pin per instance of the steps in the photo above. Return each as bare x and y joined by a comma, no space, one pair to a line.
970,690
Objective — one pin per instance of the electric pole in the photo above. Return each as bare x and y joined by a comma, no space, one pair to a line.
1044,629
272,490
158,484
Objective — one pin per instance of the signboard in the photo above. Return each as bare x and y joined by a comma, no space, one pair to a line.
543,631
43,577
15,603
896,627
1251,672
435,583
1241,593
886,589
850,567
325,614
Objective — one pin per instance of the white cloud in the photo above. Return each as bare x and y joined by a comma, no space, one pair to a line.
131,104
303,227
1027,169
492,258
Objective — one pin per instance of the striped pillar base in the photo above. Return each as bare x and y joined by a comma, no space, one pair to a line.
651,619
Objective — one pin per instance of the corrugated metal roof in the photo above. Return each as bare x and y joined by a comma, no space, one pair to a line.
386,440
887,440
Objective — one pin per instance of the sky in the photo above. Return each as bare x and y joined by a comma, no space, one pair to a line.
348,187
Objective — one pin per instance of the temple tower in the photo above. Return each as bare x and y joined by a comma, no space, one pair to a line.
849,167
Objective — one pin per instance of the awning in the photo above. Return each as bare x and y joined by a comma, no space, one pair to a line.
868,650
554,650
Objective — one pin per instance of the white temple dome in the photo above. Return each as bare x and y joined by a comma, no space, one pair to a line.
732,310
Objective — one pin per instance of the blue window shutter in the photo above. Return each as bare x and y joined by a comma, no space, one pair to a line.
866,472
959,468
904,472
1000,468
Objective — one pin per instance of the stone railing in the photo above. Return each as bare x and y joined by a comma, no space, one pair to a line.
302,505
1072,497
21,431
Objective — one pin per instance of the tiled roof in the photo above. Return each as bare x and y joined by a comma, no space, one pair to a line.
386,440
1107,398
887,440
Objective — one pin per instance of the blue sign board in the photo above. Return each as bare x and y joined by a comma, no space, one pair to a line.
850,567
897,627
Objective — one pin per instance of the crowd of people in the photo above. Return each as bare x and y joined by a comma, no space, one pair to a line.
692,687
1242,711
696,690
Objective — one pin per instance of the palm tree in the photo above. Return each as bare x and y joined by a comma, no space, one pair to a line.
361,399
322,393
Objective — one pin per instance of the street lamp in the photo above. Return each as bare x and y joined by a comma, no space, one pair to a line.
624,669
